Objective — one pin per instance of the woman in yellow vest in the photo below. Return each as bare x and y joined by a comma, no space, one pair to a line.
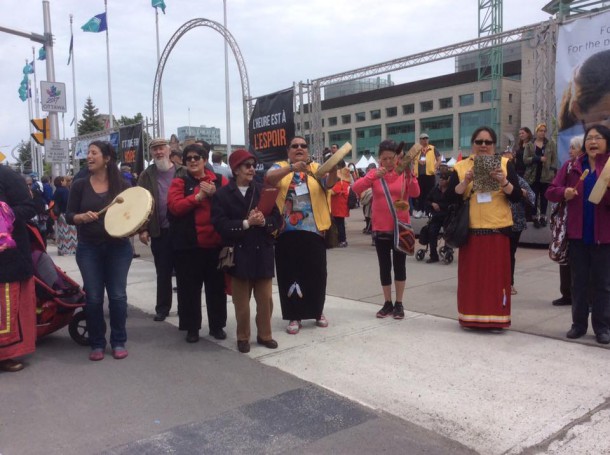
300,251
484,267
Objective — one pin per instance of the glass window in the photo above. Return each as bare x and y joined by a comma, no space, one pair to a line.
510,119
440,130
467,100
426,106
345,119
486,96
332,121
391,112
306,125
408,109
510,97
367,138
445,103
375,114
360,116
470,121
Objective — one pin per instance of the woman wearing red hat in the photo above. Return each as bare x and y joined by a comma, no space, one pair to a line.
236,216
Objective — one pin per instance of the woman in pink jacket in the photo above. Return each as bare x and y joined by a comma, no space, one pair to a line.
402,187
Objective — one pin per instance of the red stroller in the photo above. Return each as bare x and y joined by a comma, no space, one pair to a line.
57,295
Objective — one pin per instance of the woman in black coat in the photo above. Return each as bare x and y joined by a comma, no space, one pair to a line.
237,218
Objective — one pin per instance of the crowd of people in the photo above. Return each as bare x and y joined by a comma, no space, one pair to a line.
216,231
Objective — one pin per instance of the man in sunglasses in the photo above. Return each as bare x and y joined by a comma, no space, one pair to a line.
157,178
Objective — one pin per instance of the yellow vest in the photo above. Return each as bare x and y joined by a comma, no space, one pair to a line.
489,215
320,199
430,161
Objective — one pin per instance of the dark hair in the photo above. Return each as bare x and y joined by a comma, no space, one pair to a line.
174,153
115,178
217,157
601,129
202,152
480,129
529,135
293,138
58,181
387,145
590,84
206,146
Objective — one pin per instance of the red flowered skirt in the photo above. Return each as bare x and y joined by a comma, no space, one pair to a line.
484,282
17,319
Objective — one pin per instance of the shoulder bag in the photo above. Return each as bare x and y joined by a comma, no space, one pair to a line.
457,224
404,236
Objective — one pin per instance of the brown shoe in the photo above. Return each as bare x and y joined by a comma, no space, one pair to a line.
271,344
11,366
243,346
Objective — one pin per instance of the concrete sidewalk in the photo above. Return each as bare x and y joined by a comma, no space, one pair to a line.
528,390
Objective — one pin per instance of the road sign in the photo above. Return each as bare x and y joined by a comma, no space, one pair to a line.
42,125
53,96
56,151
2,157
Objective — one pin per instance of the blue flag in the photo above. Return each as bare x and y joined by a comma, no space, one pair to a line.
71,46
29,68
158,4
42,53
96,24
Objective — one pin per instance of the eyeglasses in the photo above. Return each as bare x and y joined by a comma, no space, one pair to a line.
594,138
193,158
298,146
248,165
482,141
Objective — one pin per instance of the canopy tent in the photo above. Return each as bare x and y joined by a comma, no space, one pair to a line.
362,163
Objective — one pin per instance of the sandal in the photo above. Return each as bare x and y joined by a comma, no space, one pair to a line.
11,366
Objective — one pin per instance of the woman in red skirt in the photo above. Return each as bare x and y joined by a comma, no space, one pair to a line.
484,271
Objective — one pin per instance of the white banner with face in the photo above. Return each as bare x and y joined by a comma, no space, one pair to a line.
582,77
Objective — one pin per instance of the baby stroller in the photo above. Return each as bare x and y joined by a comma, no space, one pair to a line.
445,252
57,295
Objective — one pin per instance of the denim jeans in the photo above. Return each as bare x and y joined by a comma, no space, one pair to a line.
105,266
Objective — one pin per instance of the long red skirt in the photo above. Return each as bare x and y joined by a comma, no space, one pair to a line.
484,282
17,319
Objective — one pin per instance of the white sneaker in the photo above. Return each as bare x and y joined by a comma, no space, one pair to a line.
293,328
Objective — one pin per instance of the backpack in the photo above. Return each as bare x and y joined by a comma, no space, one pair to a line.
352,199
7,219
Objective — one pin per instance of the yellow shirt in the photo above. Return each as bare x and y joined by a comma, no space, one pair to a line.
430,155
494,214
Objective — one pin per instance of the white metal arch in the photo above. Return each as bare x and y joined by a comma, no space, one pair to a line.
243,74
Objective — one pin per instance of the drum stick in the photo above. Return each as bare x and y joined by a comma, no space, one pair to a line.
117,200
582,177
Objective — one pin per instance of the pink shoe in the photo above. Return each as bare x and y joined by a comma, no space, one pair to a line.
96,355
119,353
294,327
322,322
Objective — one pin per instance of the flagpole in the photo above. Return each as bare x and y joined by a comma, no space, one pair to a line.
36,99
73,84
108,66
161,121
33,151
34,147
227,98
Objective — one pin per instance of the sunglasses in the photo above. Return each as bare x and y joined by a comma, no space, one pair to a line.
297,146
482,141
248,165
193,158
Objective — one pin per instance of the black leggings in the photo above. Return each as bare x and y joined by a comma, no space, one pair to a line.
539,189
386,255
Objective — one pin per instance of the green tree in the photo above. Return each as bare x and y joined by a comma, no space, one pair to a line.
91,119
24,152
138,118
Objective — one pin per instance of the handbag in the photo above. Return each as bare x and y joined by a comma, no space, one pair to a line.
404,235
558,248
457,224
226,258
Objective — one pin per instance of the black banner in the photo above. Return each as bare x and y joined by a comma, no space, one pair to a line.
131,147
272,126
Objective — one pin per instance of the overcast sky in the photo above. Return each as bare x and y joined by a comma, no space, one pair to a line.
281,42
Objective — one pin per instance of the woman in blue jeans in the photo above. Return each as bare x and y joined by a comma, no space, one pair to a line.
103,260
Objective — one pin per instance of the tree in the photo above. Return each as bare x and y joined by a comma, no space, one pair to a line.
91,119
24,152
124,121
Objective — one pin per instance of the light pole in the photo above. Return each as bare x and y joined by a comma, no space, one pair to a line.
227,97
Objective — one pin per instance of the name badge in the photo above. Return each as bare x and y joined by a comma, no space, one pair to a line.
301,189
483,198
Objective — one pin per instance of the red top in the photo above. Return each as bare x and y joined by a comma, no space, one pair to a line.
181,203
338,200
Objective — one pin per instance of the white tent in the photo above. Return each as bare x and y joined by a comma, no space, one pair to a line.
362,163
451,162
372,160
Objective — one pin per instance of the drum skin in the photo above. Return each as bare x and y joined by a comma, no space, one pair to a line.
124,220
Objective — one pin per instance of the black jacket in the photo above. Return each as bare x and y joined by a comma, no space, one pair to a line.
436,195
16,263
254,257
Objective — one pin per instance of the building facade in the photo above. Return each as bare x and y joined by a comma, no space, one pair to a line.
448,108
209,134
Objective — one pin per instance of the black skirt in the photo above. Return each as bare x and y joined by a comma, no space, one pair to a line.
300,258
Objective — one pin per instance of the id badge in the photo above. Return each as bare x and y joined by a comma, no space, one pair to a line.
483,198
301,189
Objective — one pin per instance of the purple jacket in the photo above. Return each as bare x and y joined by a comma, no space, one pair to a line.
565,179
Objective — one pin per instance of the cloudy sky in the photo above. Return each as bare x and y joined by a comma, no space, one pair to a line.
281,42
